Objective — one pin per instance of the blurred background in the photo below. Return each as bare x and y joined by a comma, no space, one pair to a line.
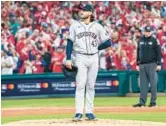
33,34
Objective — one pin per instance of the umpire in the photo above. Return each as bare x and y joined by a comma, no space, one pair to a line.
148,62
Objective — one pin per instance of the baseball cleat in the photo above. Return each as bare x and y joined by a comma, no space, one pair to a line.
138,105
77,117
90,116
152,105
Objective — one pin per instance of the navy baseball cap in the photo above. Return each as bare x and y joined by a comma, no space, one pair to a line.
88,7
148,28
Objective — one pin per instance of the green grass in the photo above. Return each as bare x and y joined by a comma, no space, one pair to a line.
99,101
155,117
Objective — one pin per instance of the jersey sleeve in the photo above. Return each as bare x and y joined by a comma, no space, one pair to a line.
103,34
72,33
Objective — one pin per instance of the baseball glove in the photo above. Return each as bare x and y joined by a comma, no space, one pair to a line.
69,73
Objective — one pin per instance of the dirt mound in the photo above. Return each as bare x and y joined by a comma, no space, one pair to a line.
68,122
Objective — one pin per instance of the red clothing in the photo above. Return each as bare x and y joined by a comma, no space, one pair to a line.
132,62
22,49
20,45
11,39
57,59
48,5
38,67
133,67
117,60
164,63
159,36
38,16
42,19
108,61
129,50
22,69
24,54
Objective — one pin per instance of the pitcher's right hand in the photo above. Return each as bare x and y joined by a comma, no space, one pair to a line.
69,64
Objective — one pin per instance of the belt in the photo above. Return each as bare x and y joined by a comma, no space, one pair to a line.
146,63
88,53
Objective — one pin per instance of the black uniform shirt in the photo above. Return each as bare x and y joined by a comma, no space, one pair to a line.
148,51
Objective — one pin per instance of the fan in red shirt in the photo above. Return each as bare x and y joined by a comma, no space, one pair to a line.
117,59
57,59
27,58
20,45
132,61
38,64
116,47
38,15
161,35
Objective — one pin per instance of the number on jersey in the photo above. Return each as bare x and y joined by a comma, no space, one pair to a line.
94,43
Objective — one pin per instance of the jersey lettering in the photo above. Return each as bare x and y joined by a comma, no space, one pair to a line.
83,34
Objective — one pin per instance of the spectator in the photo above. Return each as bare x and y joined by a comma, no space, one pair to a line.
136,36
57,59
47,58
28,67
31,27
56,41
15,60
110,64
161,35
7,63
125,61
38,64
163,10
155,10
14,25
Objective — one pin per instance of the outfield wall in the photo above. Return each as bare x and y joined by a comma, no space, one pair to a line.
117,83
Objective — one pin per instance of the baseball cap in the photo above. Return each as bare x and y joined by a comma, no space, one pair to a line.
44,25
148,29
88,7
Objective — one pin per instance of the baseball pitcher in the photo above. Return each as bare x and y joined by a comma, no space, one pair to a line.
86,38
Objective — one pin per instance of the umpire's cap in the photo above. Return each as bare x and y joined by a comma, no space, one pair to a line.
69,73
88,7
148,28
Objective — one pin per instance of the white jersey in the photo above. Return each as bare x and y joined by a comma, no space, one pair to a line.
9,61
87,38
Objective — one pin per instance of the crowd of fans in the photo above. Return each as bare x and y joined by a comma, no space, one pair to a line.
34,34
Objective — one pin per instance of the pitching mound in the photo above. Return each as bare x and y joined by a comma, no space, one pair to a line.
84,123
